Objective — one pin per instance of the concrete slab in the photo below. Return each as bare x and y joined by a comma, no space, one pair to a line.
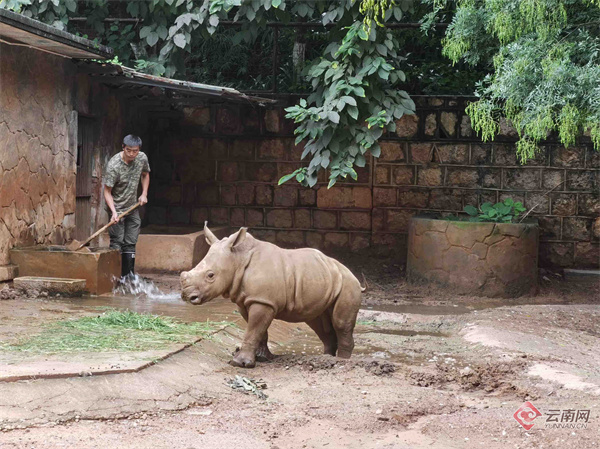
8,272
98,267
172,249
66,287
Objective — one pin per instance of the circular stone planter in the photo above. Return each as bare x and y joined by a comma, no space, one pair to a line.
489,259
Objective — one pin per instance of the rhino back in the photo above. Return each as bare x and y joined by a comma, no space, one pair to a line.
300,284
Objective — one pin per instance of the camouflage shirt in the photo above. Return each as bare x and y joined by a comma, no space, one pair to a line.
124,179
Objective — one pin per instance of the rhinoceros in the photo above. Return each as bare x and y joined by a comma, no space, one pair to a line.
267,282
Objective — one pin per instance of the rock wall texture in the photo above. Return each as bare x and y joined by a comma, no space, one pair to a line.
222,164
41,97
490,259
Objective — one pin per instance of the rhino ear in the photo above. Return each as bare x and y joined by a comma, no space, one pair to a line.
237,238
208,235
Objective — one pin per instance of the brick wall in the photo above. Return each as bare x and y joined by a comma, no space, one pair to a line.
222,163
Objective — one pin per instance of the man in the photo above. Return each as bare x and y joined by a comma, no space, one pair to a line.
123,174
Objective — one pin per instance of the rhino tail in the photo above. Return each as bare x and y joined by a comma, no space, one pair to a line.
362,289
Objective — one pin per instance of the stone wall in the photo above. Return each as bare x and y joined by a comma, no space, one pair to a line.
40,98
222,163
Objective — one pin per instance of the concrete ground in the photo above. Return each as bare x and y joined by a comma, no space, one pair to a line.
430,370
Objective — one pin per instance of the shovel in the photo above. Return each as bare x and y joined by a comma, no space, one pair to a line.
76,245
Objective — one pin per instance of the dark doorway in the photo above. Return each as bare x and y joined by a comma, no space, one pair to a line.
83,187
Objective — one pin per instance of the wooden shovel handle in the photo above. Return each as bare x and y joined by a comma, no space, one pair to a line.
104,228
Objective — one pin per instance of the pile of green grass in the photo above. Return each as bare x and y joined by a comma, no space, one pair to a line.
113,330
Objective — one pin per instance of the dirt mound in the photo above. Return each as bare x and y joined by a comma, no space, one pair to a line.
325,362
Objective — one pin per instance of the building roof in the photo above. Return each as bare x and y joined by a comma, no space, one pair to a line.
19,28
127,78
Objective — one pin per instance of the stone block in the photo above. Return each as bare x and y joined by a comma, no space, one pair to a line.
596,229
449,121
465,126
407,125
196,116
417,198
556,254
279,218
462,177
355,221
219,215
261,171
384,196
290,239
403,175
453,153
397,220
583,180
165,194
359,242
552,178
286,196
251,119
592,159
539,200
392,151
563,204
254,218
481,154
207,194
245,194
344,197
199,215
266,235
430,125
242,149
264,195
61,286
237,217
307,197
522,178
446,199
587,255
420,153
431,176
589,204
335,240
179,215
577,229
229,171
567,157
228,120
324,219
8,272
228,194
382,174
302,218
378,219
507,129
273,120
549,228
314,240
505,155
272,149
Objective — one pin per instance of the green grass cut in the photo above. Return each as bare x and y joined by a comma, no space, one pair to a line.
113,330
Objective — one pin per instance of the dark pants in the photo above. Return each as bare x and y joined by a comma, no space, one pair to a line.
124,234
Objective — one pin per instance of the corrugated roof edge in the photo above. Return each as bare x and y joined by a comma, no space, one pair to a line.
49,32
135,77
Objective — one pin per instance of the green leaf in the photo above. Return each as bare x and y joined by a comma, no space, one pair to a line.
276,3
180,40
145,31
353,111
331,183
152,38
471,210
286,178
485,207
333,116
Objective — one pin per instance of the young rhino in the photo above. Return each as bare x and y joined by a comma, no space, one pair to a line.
268,282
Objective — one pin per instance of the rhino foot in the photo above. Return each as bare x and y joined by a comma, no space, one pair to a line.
264,355
242,361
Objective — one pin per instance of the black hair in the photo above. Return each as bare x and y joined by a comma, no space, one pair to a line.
132,140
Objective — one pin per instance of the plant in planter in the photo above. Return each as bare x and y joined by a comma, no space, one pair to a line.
489,252
504,212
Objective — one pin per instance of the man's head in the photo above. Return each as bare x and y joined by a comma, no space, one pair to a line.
131,147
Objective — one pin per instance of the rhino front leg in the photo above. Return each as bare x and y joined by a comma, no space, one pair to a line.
260,317
263,354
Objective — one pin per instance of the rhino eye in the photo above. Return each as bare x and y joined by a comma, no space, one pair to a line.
211,275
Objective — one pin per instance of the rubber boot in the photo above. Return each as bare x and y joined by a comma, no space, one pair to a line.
127,264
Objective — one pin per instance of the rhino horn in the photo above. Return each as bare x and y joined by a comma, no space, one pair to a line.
208,235
237,238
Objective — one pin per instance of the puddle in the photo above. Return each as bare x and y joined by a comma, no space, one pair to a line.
418,309
405,333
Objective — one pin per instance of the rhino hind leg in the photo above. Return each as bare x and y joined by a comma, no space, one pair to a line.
343,319
260,317
324,329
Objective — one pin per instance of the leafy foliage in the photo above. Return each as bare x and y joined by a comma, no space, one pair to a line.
546,60
506,211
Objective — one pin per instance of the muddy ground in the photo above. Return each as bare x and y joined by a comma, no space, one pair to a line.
430,370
